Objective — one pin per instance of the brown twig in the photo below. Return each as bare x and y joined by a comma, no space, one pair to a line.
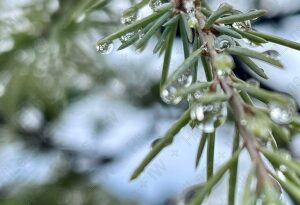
235,102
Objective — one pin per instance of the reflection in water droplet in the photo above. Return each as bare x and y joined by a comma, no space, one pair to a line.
126,37
192,20
246,25
244,122
282,114
224,64
209,125
141,33
129,19
253,82
80,18
154,4
198,94
186,79
30,118
168,95
105,48
224,41
272,54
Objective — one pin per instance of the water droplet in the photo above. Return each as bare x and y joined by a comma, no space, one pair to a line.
126,37
224,64
198,94
199,110
246,25
141,33
283,168
222,113
30,118
209,125
80,18
105,48
253,82
130,18
169,97
192,20
154,4
244,122
272,54
189,98
224,41
186,79
155,142
282,114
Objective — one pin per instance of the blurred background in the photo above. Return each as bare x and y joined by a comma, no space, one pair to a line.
74,123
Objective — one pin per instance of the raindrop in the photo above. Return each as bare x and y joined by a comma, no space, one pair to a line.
169,97
282,114
80,18
141,33
199,112
154,4
272,54
198,94
189,98
283,168
244,122
193,114
126,37
245,25
253,82
209,125
224,64
105,48
192,21
223,42
222,113
186,79
30,118
129,19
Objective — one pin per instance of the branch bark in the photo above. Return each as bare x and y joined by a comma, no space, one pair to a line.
235,102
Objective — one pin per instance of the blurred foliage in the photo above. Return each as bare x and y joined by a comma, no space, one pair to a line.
47,59
71,189
44,62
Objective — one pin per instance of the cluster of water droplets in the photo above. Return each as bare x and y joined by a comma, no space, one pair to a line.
282,113
154,4
105,48
127,19
168,93
209,117
224,64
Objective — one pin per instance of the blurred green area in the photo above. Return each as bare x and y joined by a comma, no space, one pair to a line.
71,189
47,59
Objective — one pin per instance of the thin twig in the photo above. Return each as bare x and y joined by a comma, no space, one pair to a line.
235,102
